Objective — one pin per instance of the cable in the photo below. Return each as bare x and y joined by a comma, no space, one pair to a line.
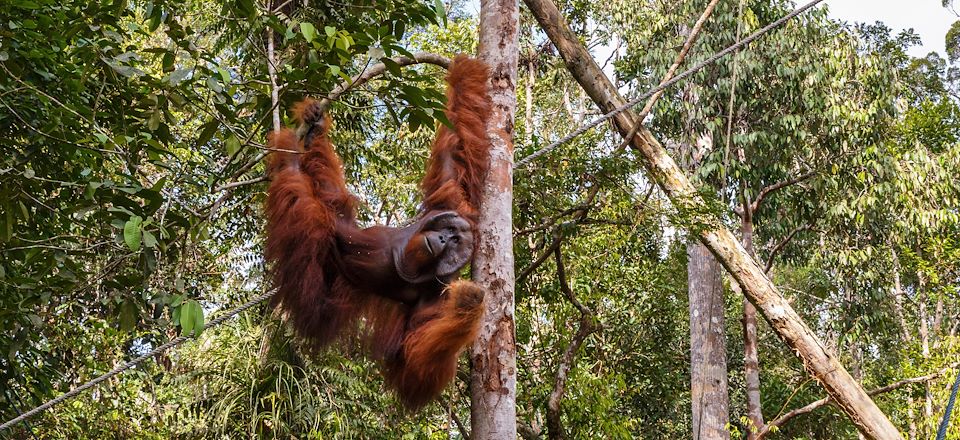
685,74
173,343
942,432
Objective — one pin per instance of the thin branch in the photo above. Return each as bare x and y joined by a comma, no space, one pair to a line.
52,137
379,69
780,421
779,185
460,427
652,100
588,325
779,247
540,260
240,183
648,107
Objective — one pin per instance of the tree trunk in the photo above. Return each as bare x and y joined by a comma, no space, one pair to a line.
924,344
528,88
904,335
708,354
709,400
272,74
751,351
822,365
493,380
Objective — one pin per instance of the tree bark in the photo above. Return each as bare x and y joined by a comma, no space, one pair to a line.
272,74
823,365
751,351
493,380
924,343
708,353
905,336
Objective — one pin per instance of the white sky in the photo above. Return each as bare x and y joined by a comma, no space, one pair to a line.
927,18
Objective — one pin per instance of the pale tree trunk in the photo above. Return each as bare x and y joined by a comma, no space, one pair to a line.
924,344
528,88
820,363
751,351
905,337
272,74
856,354
708,354
493,380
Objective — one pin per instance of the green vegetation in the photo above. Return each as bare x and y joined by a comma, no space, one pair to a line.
131,186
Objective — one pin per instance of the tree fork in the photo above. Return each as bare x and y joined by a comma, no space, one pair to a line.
820,363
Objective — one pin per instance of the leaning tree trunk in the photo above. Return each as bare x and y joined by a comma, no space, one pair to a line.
708,353
493,381
820,363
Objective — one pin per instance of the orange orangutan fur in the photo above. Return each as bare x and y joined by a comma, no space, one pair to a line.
400,283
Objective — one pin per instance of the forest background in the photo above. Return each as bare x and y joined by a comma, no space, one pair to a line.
131,188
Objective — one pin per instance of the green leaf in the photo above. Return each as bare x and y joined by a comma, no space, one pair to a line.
168,60
309,32
207,131
149,240
441,11
334,70
245,8
132,233
224,75
191,317
329,30
186,317
232,144
128,315
391,66
154,122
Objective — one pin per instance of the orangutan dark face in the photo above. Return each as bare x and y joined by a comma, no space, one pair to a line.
435,247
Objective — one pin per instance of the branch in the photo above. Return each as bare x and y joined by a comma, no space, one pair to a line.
456,419
691,39
588,325
779,185
379,69
779,247
540,260
780,421
240,183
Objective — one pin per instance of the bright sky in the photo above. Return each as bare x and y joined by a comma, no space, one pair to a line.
927,18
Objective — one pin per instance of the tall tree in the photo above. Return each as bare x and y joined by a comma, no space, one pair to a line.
493,383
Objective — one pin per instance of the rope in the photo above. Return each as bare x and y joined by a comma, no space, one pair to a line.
676,79
173,343
942,432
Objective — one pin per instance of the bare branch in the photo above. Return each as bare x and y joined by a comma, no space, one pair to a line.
540,260
240,183
779,247
588,325
779,185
